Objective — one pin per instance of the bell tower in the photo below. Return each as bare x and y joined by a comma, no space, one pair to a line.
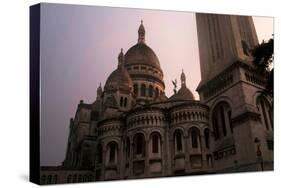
223,39
232,88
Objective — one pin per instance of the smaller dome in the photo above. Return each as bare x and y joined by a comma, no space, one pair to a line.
183,94
119,78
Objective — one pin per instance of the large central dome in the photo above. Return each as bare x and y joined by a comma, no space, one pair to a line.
141,54
144,69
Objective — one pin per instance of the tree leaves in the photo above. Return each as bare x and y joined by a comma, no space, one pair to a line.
263,59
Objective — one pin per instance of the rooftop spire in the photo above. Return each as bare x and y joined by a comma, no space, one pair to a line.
183,79
141,33
121,57
99,91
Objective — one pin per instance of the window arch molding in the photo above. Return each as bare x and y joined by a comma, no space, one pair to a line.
264,95
194,134
155,139
221,118
112,151
265,109
178,140
196,126
139,144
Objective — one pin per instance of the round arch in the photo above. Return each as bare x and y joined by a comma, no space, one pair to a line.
221,119
112,151
195,137
219,100
139,144
264,108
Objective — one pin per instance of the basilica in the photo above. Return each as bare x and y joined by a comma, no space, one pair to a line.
133,130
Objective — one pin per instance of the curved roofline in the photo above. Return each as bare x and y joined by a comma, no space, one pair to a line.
158,66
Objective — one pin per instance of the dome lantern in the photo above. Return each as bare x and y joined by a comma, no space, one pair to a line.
121,58
141,33
99,91
183,79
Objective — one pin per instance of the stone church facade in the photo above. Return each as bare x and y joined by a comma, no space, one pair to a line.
133,130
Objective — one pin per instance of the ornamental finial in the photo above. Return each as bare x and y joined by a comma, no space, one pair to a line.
183,79
141,33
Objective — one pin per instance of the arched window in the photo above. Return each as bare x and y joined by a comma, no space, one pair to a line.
143,88
136,89
194,138
99,153
139,144
207,138
121,101
125,102
178,140
221,120
150,91
265,110
112,152
43,179
155,143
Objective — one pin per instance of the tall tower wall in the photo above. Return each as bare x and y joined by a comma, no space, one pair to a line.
231,87
223,39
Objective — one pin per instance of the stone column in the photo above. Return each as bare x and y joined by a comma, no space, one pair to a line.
131,157
203,152
146,169
103,162
163,155
170,154
187,155
121,160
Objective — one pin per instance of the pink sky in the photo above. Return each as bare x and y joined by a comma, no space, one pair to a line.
79,49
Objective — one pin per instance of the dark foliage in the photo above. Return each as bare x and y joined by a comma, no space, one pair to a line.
263,58
263,55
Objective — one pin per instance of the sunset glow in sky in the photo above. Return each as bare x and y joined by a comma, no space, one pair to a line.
79,49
